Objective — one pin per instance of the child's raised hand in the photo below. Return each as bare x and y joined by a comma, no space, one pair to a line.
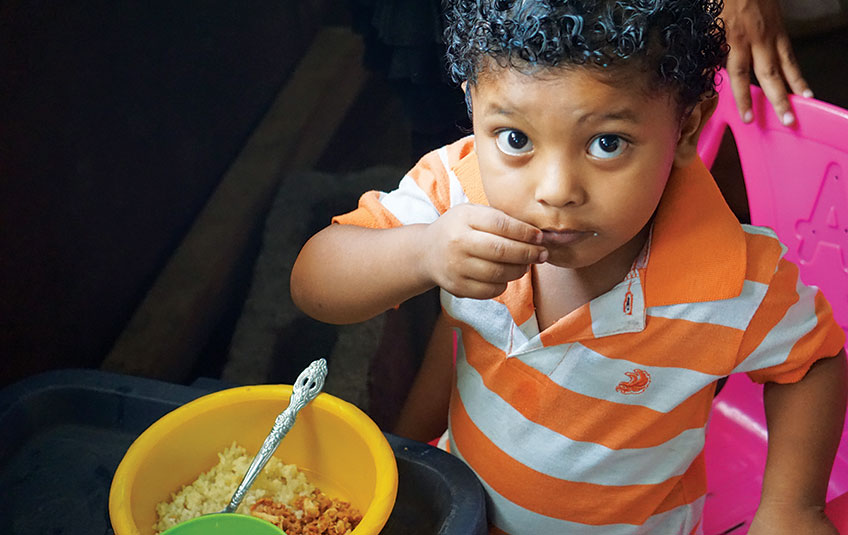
474,250
791,519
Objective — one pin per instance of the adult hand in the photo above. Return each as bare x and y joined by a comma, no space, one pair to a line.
757,36
474,250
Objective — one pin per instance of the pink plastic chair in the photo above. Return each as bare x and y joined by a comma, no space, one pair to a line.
797,183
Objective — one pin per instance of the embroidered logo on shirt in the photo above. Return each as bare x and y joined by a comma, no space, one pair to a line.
638,381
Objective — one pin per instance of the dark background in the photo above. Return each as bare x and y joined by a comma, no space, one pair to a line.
119,118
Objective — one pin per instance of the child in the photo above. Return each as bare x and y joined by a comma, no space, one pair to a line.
598,282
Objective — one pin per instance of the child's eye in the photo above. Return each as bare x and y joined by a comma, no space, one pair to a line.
513,142
607,146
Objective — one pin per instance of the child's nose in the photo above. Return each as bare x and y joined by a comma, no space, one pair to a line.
559,185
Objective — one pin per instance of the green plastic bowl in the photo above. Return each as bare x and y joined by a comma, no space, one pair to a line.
224,524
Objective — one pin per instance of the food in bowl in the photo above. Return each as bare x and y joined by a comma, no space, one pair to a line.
212,490
338,447
317,514
281,494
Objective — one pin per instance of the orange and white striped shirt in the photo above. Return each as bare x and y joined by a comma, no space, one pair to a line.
596,425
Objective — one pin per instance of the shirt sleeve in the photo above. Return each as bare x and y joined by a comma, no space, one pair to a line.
428,190
792,328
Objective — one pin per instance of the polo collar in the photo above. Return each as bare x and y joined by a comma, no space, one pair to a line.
698,251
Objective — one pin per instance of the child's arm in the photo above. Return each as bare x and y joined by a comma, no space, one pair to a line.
805,425
346,274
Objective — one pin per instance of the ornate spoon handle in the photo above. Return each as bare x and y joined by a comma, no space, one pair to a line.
307,386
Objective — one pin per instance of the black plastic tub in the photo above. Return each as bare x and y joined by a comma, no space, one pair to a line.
65,432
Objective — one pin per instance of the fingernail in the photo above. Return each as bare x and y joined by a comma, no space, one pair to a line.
748,116
808,93
788,118
543,256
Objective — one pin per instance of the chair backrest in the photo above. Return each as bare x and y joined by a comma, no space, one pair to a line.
797,182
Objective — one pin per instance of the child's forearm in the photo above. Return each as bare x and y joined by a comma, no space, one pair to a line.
347,274
805,425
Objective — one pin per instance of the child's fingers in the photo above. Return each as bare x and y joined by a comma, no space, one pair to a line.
497,250
476,245
487,271
477,289
498,223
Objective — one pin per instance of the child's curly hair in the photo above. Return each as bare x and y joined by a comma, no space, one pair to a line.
682,42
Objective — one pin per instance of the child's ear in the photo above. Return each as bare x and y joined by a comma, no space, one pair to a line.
690,131
467,91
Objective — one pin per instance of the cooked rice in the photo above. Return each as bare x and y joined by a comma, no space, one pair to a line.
212,490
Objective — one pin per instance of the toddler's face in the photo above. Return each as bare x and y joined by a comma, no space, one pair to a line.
585,161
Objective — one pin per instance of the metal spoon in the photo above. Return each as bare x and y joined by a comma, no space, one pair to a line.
307,386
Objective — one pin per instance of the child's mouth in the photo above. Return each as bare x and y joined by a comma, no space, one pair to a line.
564,237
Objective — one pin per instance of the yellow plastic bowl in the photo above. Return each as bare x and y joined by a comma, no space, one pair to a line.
340,448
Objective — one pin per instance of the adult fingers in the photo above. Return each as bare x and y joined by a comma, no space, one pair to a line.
769,74
739,71
790,67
